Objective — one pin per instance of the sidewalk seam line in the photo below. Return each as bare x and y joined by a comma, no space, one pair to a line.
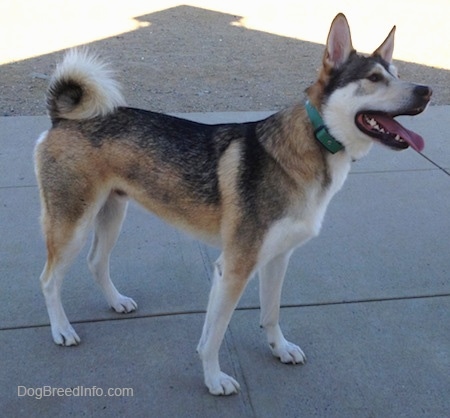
244,308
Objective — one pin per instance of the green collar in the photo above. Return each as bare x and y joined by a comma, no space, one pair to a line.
320,130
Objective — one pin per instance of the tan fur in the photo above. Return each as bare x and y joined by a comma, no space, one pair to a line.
291,152
97,172
230,208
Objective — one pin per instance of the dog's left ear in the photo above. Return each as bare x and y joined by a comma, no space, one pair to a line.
386,49
339,42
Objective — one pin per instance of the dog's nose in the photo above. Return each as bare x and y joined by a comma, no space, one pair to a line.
423,91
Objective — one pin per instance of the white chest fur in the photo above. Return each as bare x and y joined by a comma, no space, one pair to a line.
297,228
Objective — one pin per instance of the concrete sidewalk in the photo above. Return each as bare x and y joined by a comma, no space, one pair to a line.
368,301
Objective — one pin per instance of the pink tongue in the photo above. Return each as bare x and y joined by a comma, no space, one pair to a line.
413,139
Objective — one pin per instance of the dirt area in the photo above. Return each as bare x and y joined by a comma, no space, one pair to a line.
194,60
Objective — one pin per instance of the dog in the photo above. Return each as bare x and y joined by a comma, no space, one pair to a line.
257,190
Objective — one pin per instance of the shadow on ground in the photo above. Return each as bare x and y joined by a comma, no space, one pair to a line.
194,60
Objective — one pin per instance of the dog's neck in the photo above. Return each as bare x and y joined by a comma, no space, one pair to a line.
320,130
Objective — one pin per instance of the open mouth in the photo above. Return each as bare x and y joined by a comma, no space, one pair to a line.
382,127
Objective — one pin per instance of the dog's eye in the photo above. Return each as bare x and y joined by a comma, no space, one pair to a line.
375,77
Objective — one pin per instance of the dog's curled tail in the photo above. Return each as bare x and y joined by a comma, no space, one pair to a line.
82,87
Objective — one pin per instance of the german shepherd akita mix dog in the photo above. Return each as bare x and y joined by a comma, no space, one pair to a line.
258,190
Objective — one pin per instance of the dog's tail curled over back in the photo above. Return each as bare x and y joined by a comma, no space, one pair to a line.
82,87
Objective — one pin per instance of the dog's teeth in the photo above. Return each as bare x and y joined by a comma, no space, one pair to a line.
374,125
371,121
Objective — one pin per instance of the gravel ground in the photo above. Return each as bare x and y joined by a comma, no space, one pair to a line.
202,63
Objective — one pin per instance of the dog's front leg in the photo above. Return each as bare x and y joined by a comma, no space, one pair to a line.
226,290
271,277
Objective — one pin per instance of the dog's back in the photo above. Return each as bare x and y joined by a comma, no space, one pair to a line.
192,175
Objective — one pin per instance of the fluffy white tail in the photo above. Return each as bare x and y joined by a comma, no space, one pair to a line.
82,87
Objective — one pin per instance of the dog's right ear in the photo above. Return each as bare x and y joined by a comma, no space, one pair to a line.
339,42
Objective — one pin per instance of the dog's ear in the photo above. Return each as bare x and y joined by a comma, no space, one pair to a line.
339,42
386,49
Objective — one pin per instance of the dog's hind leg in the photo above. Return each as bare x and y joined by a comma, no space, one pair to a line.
230,279
107,228
271,277
64,242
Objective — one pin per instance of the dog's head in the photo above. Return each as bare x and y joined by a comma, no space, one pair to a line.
359,96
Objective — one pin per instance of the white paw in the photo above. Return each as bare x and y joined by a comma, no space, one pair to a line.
123,304
65,336
222,384
288,353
